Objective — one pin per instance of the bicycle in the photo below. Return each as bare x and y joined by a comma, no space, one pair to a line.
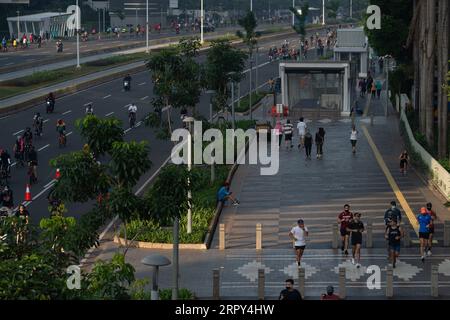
62,140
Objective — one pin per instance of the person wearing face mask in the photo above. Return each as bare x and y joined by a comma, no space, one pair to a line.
290,293
356,227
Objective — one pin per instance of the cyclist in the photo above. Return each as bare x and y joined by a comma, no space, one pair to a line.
132,110
28,137
89,109
38,122
19,149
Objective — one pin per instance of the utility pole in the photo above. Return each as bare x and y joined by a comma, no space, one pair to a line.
256,71
251,5
323,12
78,35
387,87
146,27
250,91
201,21
351,9
99,23
293,15
176,240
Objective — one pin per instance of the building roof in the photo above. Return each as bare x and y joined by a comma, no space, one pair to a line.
38,16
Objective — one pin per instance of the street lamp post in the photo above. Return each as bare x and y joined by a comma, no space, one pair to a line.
351,9
146,27
250,91
201,22
251,5
155,261
323,12
189,121
232,105
387,87
256,70
78,35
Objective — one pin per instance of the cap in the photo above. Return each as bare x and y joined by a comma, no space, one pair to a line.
300,221
423,210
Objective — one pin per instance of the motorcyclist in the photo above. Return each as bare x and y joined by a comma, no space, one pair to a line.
132,110
19,148
50,101
6,198
33,161
127,81
89,109
5,160
38,123
28,136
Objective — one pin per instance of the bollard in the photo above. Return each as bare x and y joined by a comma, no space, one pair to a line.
301,281
261,280
369,241
258,236
222,237
371,119
216,284
447,233
334,236
407,240
342,293
434,281
389,282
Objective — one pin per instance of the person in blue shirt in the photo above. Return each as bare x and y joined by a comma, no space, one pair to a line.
224,194
424,220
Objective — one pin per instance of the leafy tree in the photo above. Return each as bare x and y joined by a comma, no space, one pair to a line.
223,65
250,36
300,25
332,7
100,134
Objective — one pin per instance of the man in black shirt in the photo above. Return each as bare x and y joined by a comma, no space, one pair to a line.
290,293
394,234
356,227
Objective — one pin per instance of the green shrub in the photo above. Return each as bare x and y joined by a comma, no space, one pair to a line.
37,78
245,101
183,294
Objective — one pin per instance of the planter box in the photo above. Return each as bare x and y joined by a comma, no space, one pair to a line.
164,246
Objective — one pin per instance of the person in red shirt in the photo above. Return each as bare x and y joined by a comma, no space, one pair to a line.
330,294
430,228
344,219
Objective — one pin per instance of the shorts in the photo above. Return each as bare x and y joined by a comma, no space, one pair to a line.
394,247
353,142
424,235
300,247
403,163
288,137
431,230
344,232
356,239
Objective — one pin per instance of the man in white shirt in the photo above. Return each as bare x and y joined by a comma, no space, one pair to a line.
301,127
298,234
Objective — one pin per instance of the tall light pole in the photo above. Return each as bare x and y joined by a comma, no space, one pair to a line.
323,12
251,5
189,121
201,21
387,85
293,15
18,25
78,35
146,27
351,9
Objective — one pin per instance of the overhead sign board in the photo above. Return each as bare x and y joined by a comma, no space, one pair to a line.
15,1
173,4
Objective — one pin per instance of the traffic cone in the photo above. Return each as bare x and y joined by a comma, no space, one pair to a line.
27,193
58,174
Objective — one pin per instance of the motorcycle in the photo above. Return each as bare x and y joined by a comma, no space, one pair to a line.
50,104
126,85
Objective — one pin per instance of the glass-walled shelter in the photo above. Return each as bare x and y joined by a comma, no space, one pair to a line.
56,23
316,86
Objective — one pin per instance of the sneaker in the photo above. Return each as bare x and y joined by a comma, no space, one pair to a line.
317,157
359,265
429,252
298,264
235,203
346,252
422,258
353,261
393,265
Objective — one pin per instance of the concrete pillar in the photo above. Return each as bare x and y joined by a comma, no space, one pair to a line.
389,282
301,281
258,236
407,238
334,236
434,281
447,233
216,284
261,282
221,236
369,241
342,293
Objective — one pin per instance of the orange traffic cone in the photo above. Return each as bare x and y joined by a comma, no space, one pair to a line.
58,174
27,193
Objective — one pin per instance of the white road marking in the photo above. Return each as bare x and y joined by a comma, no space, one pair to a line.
69,133
141,84
87,103
108,114
8,64
138,124
127,130
42,192
4,117
106,97
48,184
13,164
67,112
46,120
142,99
127,105
259,66
16,133
46,146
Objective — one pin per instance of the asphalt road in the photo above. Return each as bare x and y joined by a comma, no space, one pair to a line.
109,100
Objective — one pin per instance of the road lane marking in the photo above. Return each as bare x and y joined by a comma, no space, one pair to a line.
141,84
127,105
8,64
127,130
259,66
4,117
46,146
42,192
409,213
86,104
46,120
48,184
69,133
16,133
67,112
142,99
108,114
13,164
106,97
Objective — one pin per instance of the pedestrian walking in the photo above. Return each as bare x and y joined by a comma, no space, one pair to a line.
308,144
362,87
301,127
4,45
344,219
404,158
319,140
378,87
330,294
354,139
288,129
356,227
299,234
424,220
373,89
380,63
393,234
430,228
279,132
290,293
